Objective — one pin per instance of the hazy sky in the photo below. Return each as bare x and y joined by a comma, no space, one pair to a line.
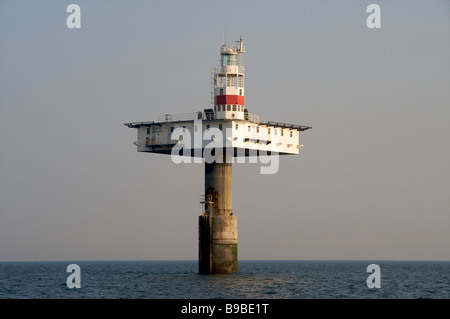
372,181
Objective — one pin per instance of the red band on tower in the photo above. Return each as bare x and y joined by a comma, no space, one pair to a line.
229,99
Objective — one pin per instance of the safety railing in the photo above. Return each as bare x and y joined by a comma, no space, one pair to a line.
205,116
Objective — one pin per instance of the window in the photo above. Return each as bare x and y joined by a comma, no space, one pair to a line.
148,130
229,59
234,107
231,80
281,132
220,127
268,130
171,129
241,81
240,91
221,92
219,108
228,107
290,133
220,82
257,129
208,126
237,127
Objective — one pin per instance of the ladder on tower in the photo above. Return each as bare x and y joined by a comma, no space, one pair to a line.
212,88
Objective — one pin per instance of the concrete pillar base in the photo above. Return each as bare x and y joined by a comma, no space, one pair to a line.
218,244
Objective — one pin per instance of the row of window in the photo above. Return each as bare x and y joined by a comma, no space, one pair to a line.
230,80
237,128
228,107
229,59
275,131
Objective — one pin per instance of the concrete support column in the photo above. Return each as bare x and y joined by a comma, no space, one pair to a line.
218,226
218,184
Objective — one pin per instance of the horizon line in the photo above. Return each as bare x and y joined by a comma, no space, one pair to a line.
195,260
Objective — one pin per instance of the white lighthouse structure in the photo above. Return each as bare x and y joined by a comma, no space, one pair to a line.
229,83
218,136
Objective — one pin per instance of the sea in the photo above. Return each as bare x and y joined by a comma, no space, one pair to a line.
260,279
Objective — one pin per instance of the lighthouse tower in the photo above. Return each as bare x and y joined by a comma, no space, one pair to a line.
244,135
218,225
229,83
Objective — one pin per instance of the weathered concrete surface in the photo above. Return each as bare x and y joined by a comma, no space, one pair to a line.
218,244
218,227
218,184
224,244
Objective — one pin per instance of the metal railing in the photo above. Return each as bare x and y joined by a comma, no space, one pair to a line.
204,116
253,118
176,117
229,69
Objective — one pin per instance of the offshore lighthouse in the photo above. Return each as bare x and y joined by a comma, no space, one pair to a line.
218,136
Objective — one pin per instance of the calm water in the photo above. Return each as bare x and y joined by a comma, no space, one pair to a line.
255,279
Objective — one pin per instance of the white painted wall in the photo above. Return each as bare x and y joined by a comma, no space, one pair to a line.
282,144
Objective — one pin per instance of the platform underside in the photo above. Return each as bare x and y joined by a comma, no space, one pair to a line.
237,152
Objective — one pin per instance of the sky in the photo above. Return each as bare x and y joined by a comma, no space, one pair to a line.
372,181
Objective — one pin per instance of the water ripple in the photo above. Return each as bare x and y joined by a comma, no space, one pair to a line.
255,279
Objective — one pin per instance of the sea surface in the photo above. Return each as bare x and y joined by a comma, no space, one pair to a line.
254,279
